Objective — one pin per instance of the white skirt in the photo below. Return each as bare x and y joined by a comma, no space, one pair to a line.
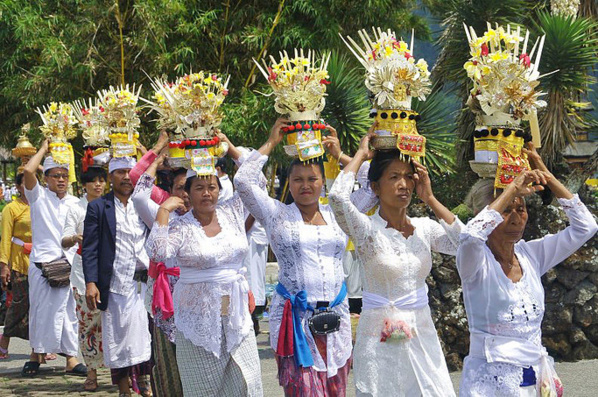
125,330
53,325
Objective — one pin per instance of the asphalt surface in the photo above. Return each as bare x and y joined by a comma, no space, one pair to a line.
580,378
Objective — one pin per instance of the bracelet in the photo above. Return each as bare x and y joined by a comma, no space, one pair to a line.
339,156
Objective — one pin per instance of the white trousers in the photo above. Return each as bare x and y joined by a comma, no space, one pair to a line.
53,325
125,333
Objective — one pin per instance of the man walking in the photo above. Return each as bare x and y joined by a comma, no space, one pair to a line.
52,318
114,259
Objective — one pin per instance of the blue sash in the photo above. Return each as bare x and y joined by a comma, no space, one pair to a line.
302,354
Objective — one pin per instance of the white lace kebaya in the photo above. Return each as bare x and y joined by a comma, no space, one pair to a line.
500,310
394,288
309,258
197,303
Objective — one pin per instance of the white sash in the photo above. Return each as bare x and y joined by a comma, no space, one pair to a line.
238,307
417,299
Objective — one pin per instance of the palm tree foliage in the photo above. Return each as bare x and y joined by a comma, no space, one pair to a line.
65,50
571,47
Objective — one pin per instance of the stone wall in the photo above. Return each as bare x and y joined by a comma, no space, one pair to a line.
570,327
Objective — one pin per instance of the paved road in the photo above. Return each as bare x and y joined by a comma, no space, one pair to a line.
580,378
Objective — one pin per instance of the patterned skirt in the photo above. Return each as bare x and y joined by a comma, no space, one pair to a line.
303,382
16,323
165,372
90,333
233,374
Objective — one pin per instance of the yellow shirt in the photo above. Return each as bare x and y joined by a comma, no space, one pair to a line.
16,222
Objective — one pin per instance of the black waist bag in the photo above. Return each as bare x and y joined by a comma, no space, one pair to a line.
324,321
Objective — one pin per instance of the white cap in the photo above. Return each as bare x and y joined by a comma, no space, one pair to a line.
49,164
120,163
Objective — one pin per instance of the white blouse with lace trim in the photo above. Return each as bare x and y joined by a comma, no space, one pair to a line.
309,258
197,307
496,305
394,266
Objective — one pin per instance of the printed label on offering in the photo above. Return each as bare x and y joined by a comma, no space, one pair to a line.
412,145
202,162
309,150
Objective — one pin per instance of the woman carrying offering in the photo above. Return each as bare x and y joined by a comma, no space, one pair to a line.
216,350
397,351
309,246
502,287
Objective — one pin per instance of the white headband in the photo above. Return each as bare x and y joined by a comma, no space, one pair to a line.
120,163
49,164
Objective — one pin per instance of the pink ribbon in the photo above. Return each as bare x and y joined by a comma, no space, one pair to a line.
162,298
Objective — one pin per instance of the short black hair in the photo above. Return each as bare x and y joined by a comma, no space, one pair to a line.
382,159
190,180
92,173
318,161
175,174
19,179
222,163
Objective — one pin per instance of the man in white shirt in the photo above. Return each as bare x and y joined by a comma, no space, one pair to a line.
226,191
53,326
114,260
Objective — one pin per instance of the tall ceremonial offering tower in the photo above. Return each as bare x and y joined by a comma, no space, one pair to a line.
393,78
95,131
189,109
59,127
504,77
299,86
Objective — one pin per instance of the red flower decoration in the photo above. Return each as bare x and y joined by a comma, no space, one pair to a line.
408,55
291,128
85,112
485,50
194,143
271,75
324,81
202,143
216,139
306,126
525,60
101,109
225,92
214,77
298,126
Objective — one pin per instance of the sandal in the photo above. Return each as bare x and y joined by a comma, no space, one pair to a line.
78,370
30,369
50,356
90,384
145,389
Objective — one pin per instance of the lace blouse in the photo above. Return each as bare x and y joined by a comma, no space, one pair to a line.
496,305
197,306
393,267
309,258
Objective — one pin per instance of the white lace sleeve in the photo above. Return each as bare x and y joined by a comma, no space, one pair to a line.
552,249
164,242
250,184
444,238
146,208
364,198
349,218
470,254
